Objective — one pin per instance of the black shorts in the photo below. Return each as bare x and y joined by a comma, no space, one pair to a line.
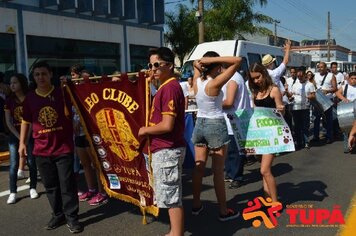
81,141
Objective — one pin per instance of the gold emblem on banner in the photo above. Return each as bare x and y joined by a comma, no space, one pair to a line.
47,116
115,130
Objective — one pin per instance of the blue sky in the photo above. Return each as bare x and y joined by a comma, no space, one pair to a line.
307,19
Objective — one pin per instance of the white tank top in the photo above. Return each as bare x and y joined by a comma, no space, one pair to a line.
209,106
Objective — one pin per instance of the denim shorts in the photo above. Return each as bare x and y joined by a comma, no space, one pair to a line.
210,132
167,177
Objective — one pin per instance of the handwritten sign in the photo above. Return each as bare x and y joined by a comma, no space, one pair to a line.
261,131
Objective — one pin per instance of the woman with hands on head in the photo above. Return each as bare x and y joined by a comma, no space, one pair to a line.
210,134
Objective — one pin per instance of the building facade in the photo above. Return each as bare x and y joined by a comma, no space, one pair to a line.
318,49
103,35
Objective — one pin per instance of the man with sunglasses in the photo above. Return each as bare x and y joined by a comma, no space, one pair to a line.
166,129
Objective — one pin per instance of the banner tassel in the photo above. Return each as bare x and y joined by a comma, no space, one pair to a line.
144,220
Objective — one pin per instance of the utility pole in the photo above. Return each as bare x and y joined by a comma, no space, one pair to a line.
275,31
200,17
328,42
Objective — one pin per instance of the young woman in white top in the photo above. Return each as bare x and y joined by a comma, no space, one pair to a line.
210,131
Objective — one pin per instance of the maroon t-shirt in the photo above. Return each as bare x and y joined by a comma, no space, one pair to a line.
16,110
52,129
169,99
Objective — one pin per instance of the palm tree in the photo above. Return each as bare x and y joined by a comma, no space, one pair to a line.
228,19
181,32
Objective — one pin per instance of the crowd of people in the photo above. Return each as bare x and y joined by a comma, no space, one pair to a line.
215,90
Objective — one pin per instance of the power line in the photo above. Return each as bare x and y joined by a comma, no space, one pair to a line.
293,31
294,12
345,26
305,9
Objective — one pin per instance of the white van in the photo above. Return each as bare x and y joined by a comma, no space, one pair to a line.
249,51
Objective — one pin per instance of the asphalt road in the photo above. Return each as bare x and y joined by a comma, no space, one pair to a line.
320,177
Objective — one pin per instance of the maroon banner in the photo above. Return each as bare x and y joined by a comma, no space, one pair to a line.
111,114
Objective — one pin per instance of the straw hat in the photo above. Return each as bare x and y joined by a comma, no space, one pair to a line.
267,59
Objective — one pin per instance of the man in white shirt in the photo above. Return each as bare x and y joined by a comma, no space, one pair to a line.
338,75
326,82
347,93
235,97
340,80
302,92
268,62
290,82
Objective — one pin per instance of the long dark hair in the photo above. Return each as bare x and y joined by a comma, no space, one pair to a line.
210,67
267,82
23,82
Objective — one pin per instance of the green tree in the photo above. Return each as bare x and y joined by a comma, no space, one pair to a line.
229,19
181,31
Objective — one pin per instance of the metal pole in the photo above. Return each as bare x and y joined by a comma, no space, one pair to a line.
328,42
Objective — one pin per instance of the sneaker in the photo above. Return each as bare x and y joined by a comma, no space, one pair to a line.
11,199
33,193
28,180
86,196
75,228
196,211
228,179
20,174
98,199
307,146
55,222
231,214
235,184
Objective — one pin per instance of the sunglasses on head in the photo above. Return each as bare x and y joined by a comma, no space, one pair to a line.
156,64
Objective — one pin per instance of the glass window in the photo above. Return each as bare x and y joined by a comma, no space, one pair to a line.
97,57
139,57
7,55
243,68
253,57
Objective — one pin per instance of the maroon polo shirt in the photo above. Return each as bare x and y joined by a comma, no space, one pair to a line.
169,100
16,110
52,129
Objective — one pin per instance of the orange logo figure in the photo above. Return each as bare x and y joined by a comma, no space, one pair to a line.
116,131
254,210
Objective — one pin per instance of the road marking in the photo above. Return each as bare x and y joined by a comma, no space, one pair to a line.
349,228
21,188
24,187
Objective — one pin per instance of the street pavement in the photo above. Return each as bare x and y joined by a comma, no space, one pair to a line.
320,178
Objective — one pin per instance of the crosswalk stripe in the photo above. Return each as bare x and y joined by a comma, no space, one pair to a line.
20,188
